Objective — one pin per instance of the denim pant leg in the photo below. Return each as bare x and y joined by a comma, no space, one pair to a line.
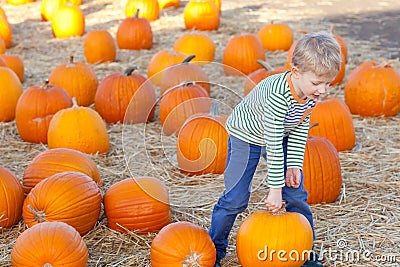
296,198
241,164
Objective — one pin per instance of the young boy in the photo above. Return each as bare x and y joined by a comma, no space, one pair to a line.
275,116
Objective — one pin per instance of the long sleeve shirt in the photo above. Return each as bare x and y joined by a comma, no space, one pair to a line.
270,112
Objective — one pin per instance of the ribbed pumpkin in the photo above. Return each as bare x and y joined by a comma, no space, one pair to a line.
11,198
162,60
322,171
134,33
276,36
185,71
179,103
78,79
6,32
163,4
10,91
19,2
50,244
15,63
201,15
79,128
258,75
70,197
373,90
202,144
56,160
35,109
197,44
335,123
182,244
149,9
125,97
68,21
99,46
241,54
48,7
257,245
137,204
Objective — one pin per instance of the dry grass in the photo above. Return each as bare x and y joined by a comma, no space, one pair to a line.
366,216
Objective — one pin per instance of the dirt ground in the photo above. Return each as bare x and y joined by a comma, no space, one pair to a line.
365,217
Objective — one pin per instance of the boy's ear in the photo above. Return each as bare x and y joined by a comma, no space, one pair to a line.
295,71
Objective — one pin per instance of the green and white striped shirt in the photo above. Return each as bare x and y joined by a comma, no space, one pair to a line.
270,112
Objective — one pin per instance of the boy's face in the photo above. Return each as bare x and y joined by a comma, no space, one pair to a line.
310,85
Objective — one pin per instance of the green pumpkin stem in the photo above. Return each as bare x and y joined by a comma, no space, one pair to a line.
189,58
136,16
265,65
129,70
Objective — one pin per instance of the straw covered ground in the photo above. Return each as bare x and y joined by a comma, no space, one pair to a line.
364,220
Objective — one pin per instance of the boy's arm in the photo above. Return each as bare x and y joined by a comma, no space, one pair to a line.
297,143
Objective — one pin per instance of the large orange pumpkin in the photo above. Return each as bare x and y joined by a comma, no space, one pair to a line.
182,244
322,171
149,9
68,21
35,109
263,234
15,63
201,15
125,97
79,128
241,54
137,204
56,160
185,71
134,33
11,198
99,46
179,103
276,36
70,197
50,244
10,91
197,44
202,144
335,123
373,90
78,79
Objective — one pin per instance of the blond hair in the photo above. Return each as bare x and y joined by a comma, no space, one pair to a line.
319,53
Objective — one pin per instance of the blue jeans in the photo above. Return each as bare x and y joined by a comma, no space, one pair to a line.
241,164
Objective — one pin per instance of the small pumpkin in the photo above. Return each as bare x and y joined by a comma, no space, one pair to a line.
241,54
163,4
125,97
162,60
137,204
78,79
15,63
70,197
49,7
179,103
10,91
56,160
182,244
197,44
202,143
373,90
196,11
99,46
35,109
50,244
6,32
68,21
149,9
322,171
134,33
287,231
11,198
79,128
185,71
276,36
335,123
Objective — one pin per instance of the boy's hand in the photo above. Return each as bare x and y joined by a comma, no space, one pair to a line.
293,177
274,199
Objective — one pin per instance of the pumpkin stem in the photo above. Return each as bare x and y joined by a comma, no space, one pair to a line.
187,83
282,210
265,64
387,63
129,70
74,102
192,260
47,265
331,29
40,216
45,86
136,16
189,58
313,125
